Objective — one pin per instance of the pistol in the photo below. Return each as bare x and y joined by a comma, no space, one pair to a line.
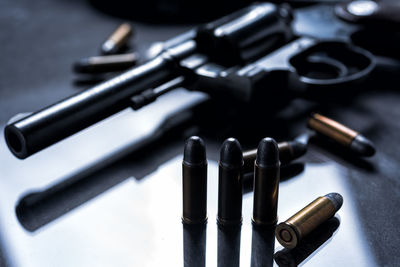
240,57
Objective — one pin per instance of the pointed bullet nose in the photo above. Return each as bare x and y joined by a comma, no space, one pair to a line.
298,148
195,151
231,154
337,200
362,146
267,153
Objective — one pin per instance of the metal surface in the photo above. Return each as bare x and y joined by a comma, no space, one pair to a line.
234,39
332,129
117,39
112,217
266,183
194,182
290,232
286,155
230,183
101,64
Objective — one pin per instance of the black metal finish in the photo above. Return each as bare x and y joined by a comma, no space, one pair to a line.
362,146
194,182
52,124
288,151
230,183
75,113
266,183
102,64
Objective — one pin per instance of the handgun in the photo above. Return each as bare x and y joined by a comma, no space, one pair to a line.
240,57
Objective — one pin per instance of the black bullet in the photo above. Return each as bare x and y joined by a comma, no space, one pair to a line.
102,64
194,172
266,183
230,183
288,151
117,39
341,134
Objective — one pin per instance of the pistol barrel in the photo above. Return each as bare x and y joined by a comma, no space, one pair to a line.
56,122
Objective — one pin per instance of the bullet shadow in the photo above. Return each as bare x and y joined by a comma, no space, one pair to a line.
307,246
229,245
194,245
262,246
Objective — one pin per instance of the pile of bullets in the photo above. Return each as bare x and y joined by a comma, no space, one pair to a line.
111,59
264,164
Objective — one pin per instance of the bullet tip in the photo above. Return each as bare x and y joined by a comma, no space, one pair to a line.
267,153
336,199
362,146
298,148
195,151
231,154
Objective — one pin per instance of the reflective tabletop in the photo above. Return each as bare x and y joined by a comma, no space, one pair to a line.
111,195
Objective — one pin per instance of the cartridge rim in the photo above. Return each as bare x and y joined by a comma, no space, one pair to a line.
261,224
191,222
224,222
286,235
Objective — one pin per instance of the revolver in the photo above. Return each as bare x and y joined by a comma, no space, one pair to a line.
243,56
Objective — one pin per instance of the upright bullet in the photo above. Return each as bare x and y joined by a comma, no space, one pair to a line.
194,172
266,183
117,39
102,64
290,232
230,183
288,151
342,135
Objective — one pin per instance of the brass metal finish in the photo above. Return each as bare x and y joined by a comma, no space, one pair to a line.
113,59
266,183
117,39
266,191
332,129
121,33
290,232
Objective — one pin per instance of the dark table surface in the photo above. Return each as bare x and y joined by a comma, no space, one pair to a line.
102,209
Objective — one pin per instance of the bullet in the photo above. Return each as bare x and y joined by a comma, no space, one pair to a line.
102,64
117,39
297,227
230,183
342,135
266,183
307,246
194,172
288,151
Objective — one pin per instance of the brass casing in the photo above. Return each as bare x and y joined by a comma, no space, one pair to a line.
121,34
113,59
265,196
290,232
332,129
